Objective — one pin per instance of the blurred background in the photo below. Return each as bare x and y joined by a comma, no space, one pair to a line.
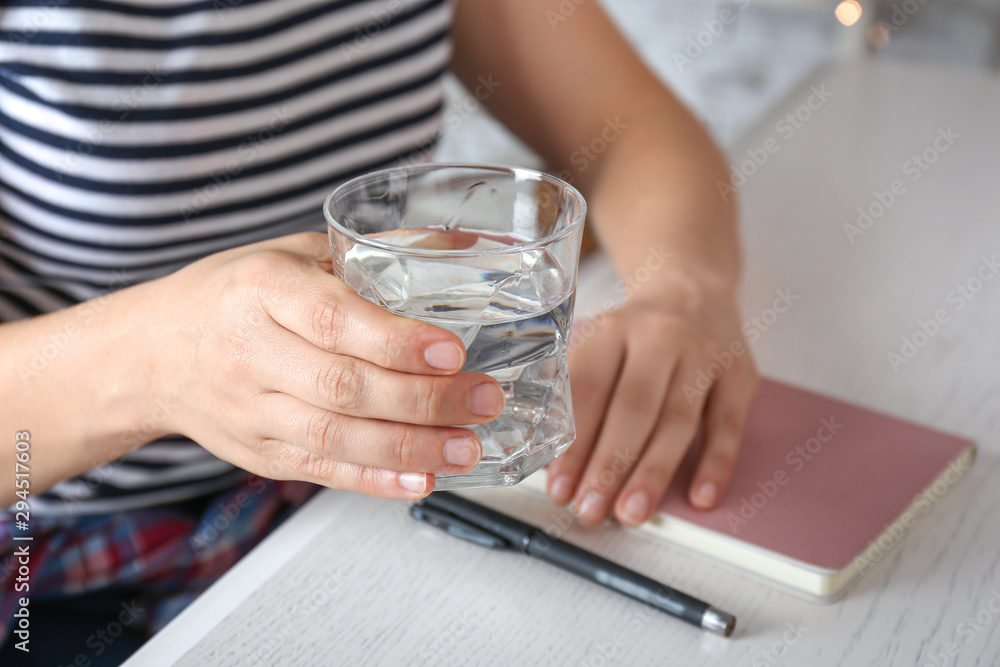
733,77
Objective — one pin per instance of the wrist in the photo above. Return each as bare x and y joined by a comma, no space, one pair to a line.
684,285
132,390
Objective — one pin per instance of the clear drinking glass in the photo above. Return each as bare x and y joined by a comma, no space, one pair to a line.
489,253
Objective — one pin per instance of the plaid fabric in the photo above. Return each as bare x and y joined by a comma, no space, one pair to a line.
170,554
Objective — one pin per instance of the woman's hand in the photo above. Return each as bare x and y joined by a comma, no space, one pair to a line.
642,381
277,366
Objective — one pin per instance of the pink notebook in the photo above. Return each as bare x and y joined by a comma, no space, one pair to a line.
822,491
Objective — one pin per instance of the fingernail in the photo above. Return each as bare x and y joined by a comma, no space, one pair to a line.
593,508
561,490
413,481
461,451
636,508
444,356
707,493
486,400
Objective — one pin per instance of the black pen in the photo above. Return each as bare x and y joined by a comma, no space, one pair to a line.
481,525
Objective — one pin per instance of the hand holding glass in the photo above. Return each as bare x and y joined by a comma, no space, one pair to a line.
490,254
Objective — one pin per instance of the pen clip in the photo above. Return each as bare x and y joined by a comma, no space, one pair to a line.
456,527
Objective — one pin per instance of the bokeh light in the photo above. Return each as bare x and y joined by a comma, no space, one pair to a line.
848,12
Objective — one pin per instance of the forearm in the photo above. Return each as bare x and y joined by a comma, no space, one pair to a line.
573,89
653,192
75,379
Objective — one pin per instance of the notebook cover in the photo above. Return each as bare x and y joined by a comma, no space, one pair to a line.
818,479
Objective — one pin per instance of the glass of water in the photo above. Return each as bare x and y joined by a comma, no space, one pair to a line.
490,254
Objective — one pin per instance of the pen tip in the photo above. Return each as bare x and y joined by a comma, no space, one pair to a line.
718,622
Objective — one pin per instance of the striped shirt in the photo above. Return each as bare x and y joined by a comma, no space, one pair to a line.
137,136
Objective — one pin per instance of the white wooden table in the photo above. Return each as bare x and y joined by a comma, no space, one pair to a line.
351,580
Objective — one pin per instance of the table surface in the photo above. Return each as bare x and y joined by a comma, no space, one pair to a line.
353,580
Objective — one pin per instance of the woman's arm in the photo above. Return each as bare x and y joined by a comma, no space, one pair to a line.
573,89
76,380
261,355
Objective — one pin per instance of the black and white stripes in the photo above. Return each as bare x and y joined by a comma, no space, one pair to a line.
137,136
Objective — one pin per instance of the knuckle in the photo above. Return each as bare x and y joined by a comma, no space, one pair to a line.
604,476
729,424
306,238
661,324
404,446
638,398
343,381
323,432
318,467
679,410
275,466
428,400
656,473
721,461
399,340
391,348
325,322
258,270
591,483
367,480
